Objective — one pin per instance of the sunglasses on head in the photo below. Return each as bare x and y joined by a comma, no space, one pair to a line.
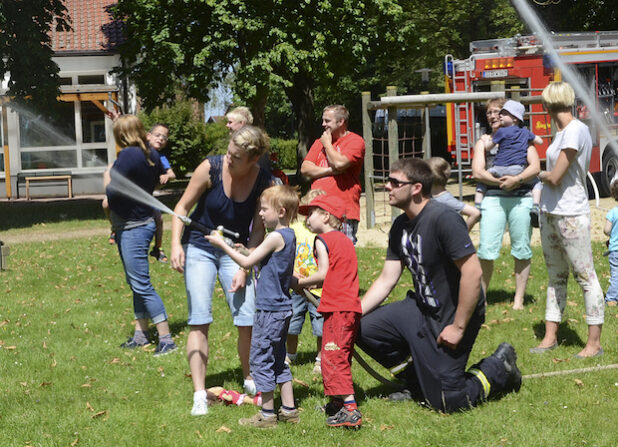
395,183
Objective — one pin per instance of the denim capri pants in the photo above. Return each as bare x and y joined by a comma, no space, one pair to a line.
201,270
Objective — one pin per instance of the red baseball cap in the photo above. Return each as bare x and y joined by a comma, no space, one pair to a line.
332,204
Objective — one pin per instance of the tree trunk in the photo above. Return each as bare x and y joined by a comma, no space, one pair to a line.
300,95
258,106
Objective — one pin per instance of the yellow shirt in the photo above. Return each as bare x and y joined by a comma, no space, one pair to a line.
304,262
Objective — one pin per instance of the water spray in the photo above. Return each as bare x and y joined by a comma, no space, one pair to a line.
532,20
127,188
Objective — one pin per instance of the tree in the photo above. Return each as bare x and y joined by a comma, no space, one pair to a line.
578,15
300,45
25,48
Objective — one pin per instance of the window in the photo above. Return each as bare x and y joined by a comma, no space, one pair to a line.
71,135
91,79
55,127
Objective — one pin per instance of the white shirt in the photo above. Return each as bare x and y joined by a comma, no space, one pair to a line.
570,197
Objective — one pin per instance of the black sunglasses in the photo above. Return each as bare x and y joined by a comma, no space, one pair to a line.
397,183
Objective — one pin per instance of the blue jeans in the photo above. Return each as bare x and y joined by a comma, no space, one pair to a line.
612,290
300,306
133,247
201,270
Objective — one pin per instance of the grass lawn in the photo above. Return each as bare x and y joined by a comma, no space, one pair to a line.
65,308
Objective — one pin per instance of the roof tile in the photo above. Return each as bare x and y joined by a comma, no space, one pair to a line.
92,28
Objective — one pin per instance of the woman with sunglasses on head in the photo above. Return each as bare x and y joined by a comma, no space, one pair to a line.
225,190
508,200
565,222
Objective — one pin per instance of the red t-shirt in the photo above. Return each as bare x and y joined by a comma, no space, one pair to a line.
347,184
340,288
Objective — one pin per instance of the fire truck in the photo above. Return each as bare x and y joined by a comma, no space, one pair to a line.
521,68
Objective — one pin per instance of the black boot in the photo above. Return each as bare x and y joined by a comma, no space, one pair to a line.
506,354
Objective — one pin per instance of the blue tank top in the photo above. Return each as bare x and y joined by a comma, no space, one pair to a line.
214,208
273,284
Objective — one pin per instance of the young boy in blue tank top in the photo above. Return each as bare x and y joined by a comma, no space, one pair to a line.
278,206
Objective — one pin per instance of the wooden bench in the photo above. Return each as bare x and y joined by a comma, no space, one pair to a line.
49,177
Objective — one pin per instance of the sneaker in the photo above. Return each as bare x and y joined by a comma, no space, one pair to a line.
200,407
534,217
260,421
401,396
506,354
158,254
249,387
132,344
165,348
293,416
112,238
345,418
317,368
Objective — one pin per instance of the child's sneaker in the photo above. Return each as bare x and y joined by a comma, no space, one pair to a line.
345,418
292,416
200,406
165,348
158,254
260,421
534,216
112,238
132,344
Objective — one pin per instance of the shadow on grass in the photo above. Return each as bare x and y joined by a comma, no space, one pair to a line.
504,296
27,214
566,335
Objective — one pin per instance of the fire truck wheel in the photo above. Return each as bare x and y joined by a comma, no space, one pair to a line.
610,168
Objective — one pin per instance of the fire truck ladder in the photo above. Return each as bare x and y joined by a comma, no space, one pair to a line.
464,113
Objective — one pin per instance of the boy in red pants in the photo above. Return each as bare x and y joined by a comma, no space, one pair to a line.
338,276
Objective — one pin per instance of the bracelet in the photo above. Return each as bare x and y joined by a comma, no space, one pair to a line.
247,271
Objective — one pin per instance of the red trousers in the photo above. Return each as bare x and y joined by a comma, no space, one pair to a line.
338,336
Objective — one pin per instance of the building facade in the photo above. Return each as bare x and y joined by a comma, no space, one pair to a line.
75,138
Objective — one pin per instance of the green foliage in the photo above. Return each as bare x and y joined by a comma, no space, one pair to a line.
26,52
217,138
188,141
286,152
577,15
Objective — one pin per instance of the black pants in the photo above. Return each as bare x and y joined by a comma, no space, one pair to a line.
391,333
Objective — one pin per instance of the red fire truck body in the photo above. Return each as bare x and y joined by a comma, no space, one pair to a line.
520,67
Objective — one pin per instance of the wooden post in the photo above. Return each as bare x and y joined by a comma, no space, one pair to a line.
368,162
7,161
393,139
426,131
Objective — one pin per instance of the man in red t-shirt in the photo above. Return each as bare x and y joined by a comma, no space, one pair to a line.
334,163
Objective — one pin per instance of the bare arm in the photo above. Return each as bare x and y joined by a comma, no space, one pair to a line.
469,291
554,177
169,175
273,242
382,287
479,163
200,182
607,229
313,171
473,214
339,162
